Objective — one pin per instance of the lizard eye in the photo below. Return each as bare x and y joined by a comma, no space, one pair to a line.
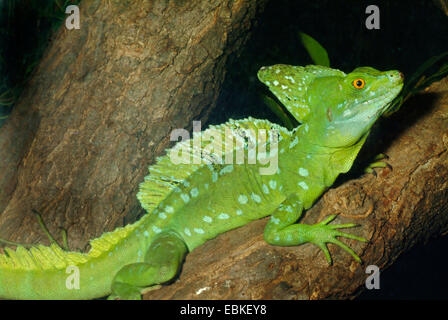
358,83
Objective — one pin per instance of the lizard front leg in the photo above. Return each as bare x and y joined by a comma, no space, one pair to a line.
282,230
162,263
378,162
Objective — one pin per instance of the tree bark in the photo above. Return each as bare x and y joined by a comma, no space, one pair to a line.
395,210
101,105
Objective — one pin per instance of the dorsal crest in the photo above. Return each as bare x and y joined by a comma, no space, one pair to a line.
165,175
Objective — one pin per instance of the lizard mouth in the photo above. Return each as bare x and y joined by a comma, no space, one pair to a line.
370,104
385,100
370,109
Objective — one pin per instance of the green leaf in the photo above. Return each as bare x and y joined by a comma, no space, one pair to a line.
423,68
317,53
278,111
419,80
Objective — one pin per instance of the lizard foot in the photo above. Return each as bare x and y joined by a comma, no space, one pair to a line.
378,163
124,291
322,233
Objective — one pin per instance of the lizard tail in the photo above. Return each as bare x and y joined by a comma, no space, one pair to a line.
40,273
48,272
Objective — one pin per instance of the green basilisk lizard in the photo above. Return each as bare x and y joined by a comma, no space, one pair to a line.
189,203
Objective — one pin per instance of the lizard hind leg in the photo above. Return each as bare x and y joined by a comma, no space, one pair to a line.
162,263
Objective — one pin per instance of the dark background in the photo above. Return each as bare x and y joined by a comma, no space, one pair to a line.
410,33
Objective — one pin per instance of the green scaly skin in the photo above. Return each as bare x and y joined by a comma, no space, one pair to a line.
189,204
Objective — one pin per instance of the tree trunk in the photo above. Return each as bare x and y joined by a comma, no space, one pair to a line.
395,210
101,105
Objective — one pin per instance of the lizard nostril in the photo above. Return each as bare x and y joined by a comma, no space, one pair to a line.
396,76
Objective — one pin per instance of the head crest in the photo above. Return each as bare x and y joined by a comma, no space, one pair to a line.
290,83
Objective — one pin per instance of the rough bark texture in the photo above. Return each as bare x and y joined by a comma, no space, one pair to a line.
396,210
101,105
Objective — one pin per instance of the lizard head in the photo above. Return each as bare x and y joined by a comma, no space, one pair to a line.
338,108
345,108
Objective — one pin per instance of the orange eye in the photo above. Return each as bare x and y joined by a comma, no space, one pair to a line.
359,83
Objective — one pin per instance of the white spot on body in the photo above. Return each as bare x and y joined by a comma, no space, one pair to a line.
273,184
303,185
223,216
199,230
303,172
290,79
265,189
169,209
226,169
242,199
185,197
306,127
207,219
162,215
275,220
194,192
156,229
255,197
187,232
